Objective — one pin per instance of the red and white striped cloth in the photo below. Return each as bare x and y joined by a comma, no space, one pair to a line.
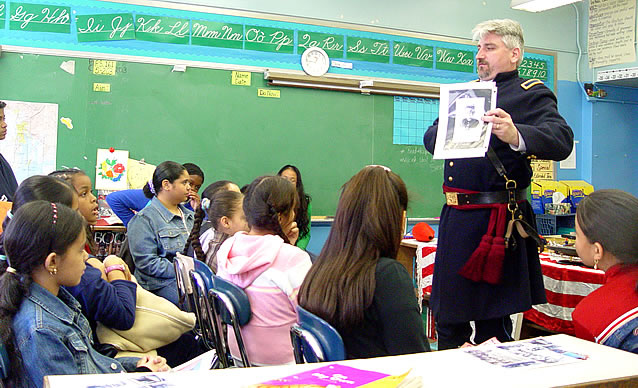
425,253
565,286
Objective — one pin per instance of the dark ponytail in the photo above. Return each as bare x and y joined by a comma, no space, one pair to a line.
36,229
265,199
193,239
39,187
167,170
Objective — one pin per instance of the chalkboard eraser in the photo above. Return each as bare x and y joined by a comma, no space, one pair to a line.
180,68
363,84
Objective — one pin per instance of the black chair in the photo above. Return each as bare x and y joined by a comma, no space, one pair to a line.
232,308
315,340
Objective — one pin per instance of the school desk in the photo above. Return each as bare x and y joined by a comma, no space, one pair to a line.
448,368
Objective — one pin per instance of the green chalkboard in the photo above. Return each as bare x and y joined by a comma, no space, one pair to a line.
198,116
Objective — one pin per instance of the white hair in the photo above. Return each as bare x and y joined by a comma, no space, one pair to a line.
509,30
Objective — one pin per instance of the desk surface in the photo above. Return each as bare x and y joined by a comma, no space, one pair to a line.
437,369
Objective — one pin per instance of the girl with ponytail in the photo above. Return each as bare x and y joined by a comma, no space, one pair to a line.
41,324
267,265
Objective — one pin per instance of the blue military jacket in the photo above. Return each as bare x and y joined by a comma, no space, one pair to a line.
533,109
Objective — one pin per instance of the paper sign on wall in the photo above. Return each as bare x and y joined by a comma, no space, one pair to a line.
139,173
100,87
101,67
111,170
241,78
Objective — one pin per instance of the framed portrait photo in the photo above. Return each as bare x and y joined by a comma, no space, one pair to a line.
462,133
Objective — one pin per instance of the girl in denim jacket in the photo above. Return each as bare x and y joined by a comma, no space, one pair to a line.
161,229
41,324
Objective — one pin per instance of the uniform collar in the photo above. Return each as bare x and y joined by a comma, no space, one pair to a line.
500,77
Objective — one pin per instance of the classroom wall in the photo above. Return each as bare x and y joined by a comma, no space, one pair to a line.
604,157
452,18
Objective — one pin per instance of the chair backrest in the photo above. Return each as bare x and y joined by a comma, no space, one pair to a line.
183,265
4,362
232,308
205,271
208,328
315,340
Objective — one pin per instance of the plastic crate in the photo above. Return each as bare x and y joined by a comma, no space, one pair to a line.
548,224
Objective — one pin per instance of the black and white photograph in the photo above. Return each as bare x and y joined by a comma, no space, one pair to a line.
464,134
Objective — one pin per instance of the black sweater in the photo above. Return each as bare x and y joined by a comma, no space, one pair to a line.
392,324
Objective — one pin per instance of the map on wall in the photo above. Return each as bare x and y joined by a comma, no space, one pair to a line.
32,136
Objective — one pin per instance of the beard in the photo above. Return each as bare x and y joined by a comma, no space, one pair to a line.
485,72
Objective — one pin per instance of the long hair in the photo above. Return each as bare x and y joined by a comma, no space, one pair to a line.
368,225
167,170
193,237
39,187
68,175
29,238
301,217
265,199
602,213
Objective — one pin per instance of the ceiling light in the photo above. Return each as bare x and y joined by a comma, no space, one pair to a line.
539,5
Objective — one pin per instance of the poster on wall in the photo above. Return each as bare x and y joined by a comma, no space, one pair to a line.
462,133
111,169
31,141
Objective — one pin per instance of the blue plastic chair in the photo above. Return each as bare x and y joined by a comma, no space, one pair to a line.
4,363
232,308
201,281
315,340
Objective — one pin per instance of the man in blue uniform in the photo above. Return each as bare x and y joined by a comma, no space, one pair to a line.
478,275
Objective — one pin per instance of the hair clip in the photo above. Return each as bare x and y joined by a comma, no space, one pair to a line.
3,258
205,204
9,214
150,186
11,270
380,166
55,213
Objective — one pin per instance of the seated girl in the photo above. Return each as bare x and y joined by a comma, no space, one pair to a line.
125,203
106,298
160,230
304,207
88,206
41,324
356,284
226,215
203,232
607,239
267,265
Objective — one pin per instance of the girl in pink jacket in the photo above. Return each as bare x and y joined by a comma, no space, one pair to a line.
266,263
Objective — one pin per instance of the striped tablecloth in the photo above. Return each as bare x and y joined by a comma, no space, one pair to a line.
565,286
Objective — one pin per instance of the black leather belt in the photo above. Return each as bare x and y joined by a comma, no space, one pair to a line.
483,198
